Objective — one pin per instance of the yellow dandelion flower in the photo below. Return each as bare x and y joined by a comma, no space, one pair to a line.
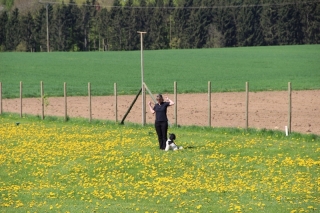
199,206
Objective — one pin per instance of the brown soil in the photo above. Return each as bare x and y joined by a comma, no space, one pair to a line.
266,109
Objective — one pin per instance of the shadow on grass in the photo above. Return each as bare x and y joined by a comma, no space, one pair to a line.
190,147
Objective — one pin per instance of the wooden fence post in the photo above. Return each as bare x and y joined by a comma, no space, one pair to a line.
175,103
20,99
247,105
290,108
89,95
209,103
116,102
42,100
65,101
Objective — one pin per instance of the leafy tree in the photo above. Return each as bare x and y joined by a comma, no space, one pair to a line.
142,16
191,37
215,37
269,24
169,19
116,42
188,24
142,23
74,24
13,31
3,29
87,13
158,33
248,28
103,27
27,29
228,26
40,30
310,18
201,21
129,32
181,24
94,37
59,26
290,27
8,4
211,36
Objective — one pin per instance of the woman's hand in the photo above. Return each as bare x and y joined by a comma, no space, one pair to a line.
150,107
170,101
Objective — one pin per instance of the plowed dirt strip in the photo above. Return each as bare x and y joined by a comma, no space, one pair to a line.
266,109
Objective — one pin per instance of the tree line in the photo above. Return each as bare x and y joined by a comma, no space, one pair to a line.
169,25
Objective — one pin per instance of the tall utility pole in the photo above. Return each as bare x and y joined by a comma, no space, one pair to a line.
142,82
170,30
48,47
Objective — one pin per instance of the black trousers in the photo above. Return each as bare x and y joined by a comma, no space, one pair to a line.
162,130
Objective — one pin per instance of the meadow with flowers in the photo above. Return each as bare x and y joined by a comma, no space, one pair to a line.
75,166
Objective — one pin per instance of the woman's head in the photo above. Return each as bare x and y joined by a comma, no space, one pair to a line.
159,98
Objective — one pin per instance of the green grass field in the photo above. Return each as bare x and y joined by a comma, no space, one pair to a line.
265,68
53,166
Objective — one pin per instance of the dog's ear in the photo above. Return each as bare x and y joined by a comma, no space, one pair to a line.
172,136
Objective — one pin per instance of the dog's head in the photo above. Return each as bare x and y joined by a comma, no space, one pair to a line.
172,136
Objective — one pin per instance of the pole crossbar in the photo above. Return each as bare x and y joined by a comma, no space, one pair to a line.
129,109
154,100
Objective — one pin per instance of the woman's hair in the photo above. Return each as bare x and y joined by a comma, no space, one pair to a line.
159,96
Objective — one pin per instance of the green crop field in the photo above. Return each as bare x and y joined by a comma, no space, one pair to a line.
265,68
55,166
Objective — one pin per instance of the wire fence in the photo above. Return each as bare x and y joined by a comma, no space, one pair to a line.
280,110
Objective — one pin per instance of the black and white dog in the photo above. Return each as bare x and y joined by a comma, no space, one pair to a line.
170,144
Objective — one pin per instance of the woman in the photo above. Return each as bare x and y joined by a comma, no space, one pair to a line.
161,122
